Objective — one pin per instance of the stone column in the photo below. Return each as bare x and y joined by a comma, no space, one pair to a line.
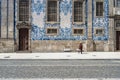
89,42
111,41
3,19
10,19
111,27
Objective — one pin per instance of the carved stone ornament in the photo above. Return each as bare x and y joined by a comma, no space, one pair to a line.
23,25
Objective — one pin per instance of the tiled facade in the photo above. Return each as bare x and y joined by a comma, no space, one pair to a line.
39,41
65,24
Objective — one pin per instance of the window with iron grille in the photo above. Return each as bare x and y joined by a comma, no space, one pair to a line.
99,8
51,31
118,3
99,31
117,23
78,31
23,10
52,11
78,11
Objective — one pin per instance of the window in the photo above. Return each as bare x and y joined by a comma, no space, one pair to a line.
99,8
117,23
78,11
114,3
23,10
99,31
52,31
78,31
118,3
52,11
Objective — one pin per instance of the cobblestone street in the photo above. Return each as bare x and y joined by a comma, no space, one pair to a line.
59,68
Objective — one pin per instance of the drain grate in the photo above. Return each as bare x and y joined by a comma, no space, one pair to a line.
7,57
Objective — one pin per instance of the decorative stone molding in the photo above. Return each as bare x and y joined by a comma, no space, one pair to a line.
23,25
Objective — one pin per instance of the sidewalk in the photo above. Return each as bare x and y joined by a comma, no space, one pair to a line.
65,55
66,79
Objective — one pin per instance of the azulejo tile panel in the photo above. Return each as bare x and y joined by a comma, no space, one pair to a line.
101,22
39,24
38,6
66,7
38,32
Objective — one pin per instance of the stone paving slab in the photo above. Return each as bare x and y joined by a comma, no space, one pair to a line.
65,55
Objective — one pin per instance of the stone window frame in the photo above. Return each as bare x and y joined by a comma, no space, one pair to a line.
78,34
95,8
18,12
116,21
95,31
116,3
58,14
83,20
51,34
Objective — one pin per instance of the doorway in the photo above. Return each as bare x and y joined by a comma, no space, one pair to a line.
23,39
117,40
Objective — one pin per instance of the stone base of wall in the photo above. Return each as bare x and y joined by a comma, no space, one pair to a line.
99,46
61,45
57,46
6,46
90,45
111,45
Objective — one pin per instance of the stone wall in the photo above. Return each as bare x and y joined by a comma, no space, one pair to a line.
59,46
6,46
65,40
7,19
6,38
100,46
55,45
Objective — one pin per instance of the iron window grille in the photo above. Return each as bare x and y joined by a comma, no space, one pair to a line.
78,11
23,10
52,11
99,8
78,31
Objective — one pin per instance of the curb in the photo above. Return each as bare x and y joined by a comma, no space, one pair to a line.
61,79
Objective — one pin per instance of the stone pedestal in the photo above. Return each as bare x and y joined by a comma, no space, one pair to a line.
6,46
89,44
106,46
111,45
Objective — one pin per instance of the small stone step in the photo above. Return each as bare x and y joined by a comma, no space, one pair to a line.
24,51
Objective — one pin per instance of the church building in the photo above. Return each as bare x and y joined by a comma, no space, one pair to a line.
59,25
